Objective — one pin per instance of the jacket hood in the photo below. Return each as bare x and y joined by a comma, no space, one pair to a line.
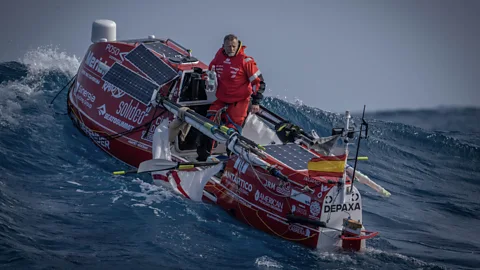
240,50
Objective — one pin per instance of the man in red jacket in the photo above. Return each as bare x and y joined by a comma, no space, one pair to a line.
239,82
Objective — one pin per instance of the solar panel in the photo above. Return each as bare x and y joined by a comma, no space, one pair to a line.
183,60
146,61
131,83
163,49
292,155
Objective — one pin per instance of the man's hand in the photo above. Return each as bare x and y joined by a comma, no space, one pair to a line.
255,108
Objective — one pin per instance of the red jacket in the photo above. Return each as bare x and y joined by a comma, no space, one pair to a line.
238,76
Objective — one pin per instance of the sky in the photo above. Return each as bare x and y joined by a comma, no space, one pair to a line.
333,55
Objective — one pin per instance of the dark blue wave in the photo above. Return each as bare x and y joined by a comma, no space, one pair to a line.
12,71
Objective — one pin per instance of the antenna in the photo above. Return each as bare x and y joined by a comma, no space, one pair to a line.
364,123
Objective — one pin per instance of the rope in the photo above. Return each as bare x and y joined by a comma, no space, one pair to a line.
285,197
69,82
260,218
181,113
217,115
61,90
116,135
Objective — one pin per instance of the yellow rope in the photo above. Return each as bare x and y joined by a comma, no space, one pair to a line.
256,211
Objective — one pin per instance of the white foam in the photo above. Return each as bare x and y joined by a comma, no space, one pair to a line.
193,213
334,257
268,262
8,109
416,262
24,92
184,236
115,198
74,183
149,194
49,58
157,211
139,205
83,191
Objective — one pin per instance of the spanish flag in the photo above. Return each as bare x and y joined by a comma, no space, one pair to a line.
333,166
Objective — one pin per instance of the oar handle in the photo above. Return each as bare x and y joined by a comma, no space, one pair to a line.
359,158
124,172
191,165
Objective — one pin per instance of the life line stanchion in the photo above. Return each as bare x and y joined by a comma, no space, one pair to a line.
360,137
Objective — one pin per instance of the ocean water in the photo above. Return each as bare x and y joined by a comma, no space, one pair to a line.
60,207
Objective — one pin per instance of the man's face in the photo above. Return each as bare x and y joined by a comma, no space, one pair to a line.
230,47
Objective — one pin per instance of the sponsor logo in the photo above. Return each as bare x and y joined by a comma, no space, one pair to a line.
341,207
315,208
139,144
353,205
85,97
243,186
329,198
309,180
96,63
282,188
322,190
148,136
241,165
95,137
219,70
300,230
268,201
270,185
234,71
131,112
111,57
300,210
90,77
116,93
102,111
112,49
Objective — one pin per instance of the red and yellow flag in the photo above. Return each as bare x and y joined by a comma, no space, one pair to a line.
333,166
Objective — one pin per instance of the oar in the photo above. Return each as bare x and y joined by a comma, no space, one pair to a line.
155,165
362,178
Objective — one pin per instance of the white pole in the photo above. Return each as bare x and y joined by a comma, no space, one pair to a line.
345,140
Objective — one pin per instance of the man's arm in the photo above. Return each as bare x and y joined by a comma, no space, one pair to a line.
256,79
257,95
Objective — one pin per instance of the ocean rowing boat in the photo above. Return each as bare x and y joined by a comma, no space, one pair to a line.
144,102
